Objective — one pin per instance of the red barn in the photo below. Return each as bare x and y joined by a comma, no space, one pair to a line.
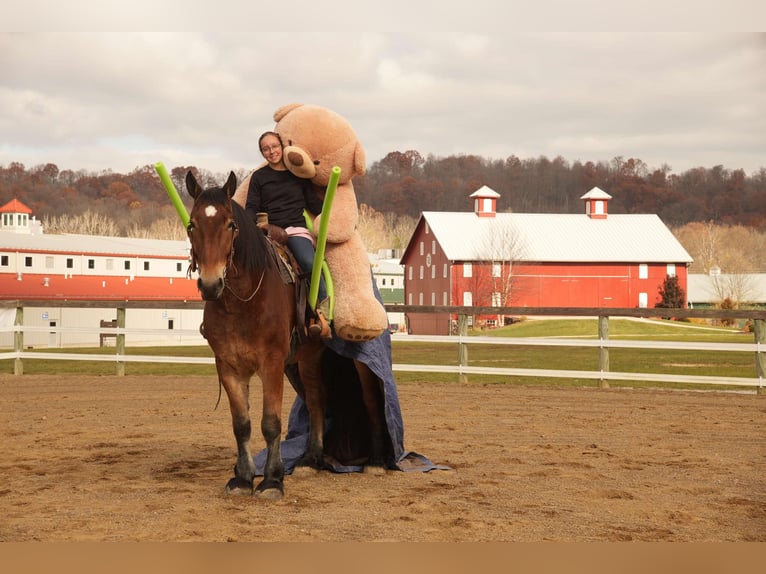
484,258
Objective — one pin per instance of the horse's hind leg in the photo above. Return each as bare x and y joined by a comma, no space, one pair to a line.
309,368
372,396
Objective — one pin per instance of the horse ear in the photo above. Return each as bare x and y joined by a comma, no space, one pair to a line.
191,185
231,184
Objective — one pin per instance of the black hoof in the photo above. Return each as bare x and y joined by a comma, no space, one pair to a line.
269,490
239,486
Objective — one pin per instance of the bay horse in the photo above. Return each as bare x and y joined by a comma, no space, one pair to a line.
249,321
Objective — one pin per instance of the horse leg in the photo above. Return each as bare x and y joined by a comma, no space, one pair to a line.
372,396
237,391
310,371
272,485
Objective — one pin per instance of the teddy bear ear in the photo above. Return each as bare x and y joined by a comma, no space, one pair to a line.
360,160
284,110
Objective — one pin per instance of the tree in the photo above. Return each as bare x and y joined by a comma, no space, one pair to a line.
672,296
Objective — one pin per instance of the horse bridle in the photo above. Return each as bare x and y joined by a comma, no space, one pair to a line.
229,262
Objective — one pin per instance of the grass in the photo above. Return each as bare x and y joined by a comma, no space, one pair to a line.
736,364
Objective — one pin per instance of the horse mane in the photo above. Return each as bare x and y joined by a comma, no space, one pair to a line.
251,248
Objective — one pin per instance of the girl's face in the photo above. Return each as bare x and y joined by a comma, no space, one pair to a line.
271,149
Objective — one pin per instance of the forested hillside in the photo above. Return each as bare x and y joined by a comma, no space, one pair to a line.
719,214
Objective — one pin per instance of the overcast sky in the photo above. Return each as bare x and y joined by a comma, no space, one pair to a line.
120,100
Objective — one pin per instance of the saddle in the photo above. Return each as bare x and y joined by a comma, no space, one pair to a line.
291,273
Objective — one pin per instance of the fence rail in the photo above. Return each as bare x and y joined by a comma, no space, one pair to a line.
461,340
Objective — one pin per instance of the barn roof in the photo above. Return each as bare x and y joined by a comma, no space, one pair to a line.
545,237
94,245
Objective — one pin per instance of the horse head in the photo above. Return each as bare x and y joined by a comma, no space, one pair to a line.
212,231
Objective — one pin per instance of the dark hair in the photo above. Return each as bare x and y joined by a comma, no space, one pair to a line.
264,134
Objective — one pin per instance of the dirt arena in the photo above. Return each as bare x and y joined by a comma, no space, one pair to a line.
133,459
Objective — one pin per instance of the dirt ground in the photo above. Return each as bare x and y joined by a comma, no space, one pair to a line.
134,459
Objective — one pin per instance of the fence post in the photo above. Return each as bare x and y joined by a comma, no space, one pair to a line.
462,348
18,341
603,352
759,330
120,343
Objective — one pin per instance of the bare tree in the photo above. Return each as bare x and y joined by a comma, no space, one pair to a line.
87,223
739,288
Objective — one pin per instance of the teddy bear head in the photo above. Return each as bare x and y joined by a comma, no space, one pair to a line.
315,139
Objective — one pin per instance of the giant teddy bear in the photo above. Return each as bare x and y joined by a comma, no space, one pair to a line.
315,140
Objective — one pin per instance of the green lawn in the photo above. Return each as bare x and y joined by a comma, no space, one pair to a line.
737,364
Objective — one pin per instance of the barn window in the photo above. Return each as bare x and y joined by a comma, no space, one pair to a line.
445,270
467,299
445,301
91,263
433,247
643,300
49,261
409,298
433,272
420,298
27,262
109,264
4,261
496,269
433,298
421,271
127,265
643,271
69,263
467,270
178,267
409,272
422,248
146,266
671,269
496,299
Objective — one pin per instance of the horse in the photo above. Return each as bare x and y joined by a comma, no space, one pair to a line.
250,321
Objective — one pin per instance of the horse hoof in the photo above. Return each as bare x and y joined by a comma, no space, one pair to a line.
269,494
239,486
269,490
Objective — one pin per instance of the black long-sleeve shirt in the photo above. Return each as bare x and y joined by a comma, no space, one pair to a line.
282,195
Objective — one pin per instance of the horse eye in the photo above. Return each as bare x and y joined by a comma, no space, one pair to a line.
189,227
233,226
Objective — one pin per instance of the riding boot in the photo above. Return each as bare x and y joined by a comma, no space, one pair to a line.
323,311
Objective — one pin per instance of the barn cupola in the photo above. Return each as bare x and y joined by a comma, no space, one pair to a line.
14,216
596,202
485,201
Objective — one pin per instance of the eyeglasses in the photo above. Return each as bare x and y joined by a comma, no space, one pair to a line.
270,148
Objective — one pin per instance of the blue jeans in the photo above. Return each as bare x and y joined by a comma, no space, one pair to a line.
303,250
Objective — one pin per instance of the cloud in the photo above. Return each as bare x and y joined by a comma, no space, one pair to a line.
122,100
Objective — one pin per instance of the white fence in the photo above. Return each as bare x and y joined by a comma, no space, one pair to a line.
603,374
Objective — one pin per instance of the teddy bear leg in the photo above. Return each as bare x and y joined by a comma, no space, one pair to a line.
358,315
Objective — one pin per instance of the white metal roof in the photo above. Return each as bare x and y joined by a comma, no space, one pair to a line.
77,244
750,286
546,237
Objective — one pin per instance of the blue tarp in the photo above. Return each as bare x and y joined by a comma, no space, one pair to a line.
376,354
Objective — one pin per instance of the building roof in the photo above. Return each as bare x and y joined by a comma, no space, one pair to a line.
703,288
15,206
95,245
596,193
546,237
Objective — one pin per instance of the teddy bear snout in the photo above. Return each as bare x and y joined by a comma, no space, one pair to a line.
295,159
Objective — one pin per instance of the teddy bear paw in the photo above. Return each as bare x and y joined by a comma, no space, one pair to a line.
357,334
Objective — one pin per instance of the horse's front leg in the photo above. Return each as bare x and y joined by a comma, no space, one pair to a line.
237,390
271,374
